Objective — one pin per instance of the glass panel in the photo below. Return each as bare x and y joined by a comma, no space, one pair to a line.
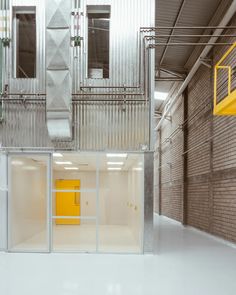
25,42
98,45
28,199
74,204
75,166
74,181
120,203
74,237
3,201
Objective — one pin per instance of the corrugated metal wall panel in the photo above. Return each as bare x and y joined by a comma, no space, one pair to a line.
36,85
125,55
97,126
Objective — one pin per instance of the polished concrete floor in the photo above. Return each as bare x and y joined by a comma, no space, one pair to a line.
186,262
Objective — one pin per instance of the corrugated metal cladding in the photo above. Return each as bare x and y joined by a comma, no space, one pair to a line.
127,16
36,85
100,124
211,160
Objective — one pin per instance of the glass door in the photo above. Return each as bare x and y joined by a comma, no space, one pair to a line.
3,201
74,202
28,204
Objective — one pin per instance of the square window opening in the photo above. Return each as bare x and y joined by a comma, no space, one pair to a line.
24,36
98,41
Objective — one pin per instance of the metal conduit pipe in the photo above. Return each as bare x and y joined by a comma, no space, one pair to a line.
200,144
43,100
77,94
184,35
110,87
189,119
149,29
227,17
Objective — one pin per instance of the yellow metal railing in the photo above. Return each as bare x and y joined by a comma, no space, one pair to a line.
227,106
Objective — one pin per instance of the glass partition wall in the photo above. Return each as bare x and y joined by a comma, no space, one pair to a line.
81,202
28,203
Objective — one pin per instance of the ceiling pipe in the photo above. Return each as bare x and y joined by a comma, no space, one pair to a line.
227,17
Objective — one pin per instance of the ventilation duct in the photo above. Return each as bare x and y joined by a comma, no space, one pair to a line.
58,69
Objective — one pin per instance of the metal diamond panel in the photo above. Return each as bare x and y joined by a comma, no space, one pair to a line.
58,13
58,90
57,49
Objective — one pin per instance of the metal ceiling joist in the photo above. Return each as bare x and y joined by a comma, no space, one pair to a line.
172,31
218,31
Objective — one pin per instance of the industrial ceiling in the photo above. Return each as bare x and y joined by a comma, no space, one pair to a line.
183,13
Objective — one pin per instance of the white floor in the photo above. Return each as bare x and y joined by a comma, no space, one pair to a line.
82,238
186,262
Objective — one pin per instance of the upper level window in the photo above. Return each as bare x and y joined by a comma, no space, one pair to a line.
24,30
98,41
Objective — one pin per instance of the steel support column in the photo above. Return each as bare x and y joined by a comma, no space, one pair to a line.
148,202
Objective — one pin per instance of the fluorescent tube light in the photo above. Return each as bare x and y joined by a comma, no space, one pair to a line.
63,163
160,95
115,163
17,163
138,169
114,168
71,168
57,155
116,155
30,168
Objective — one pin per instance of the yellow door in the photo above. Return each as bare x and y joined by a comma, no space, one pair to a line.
67,204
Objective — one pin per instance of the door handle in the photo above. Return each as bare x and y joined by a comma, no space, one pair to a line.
77,197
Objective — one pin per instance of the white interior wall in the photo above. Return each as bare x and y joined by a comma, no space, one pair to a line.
135,201
28,203
3,200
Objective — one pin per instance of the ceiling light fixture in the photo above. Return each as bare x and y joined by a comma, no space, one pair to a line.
63,163
30,168
160,95
116,155
71,168
138,169
114,168
17,163
115,163
57,155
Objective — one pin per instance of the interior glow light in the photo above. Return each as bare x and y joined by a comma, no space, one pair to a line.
17,163
138,169
71,168
114,168
57,155
63,163
160,95
116,155
115,163
30,168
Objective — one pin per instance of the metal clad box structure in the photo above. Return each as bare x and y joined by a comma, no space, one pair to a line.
111,113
